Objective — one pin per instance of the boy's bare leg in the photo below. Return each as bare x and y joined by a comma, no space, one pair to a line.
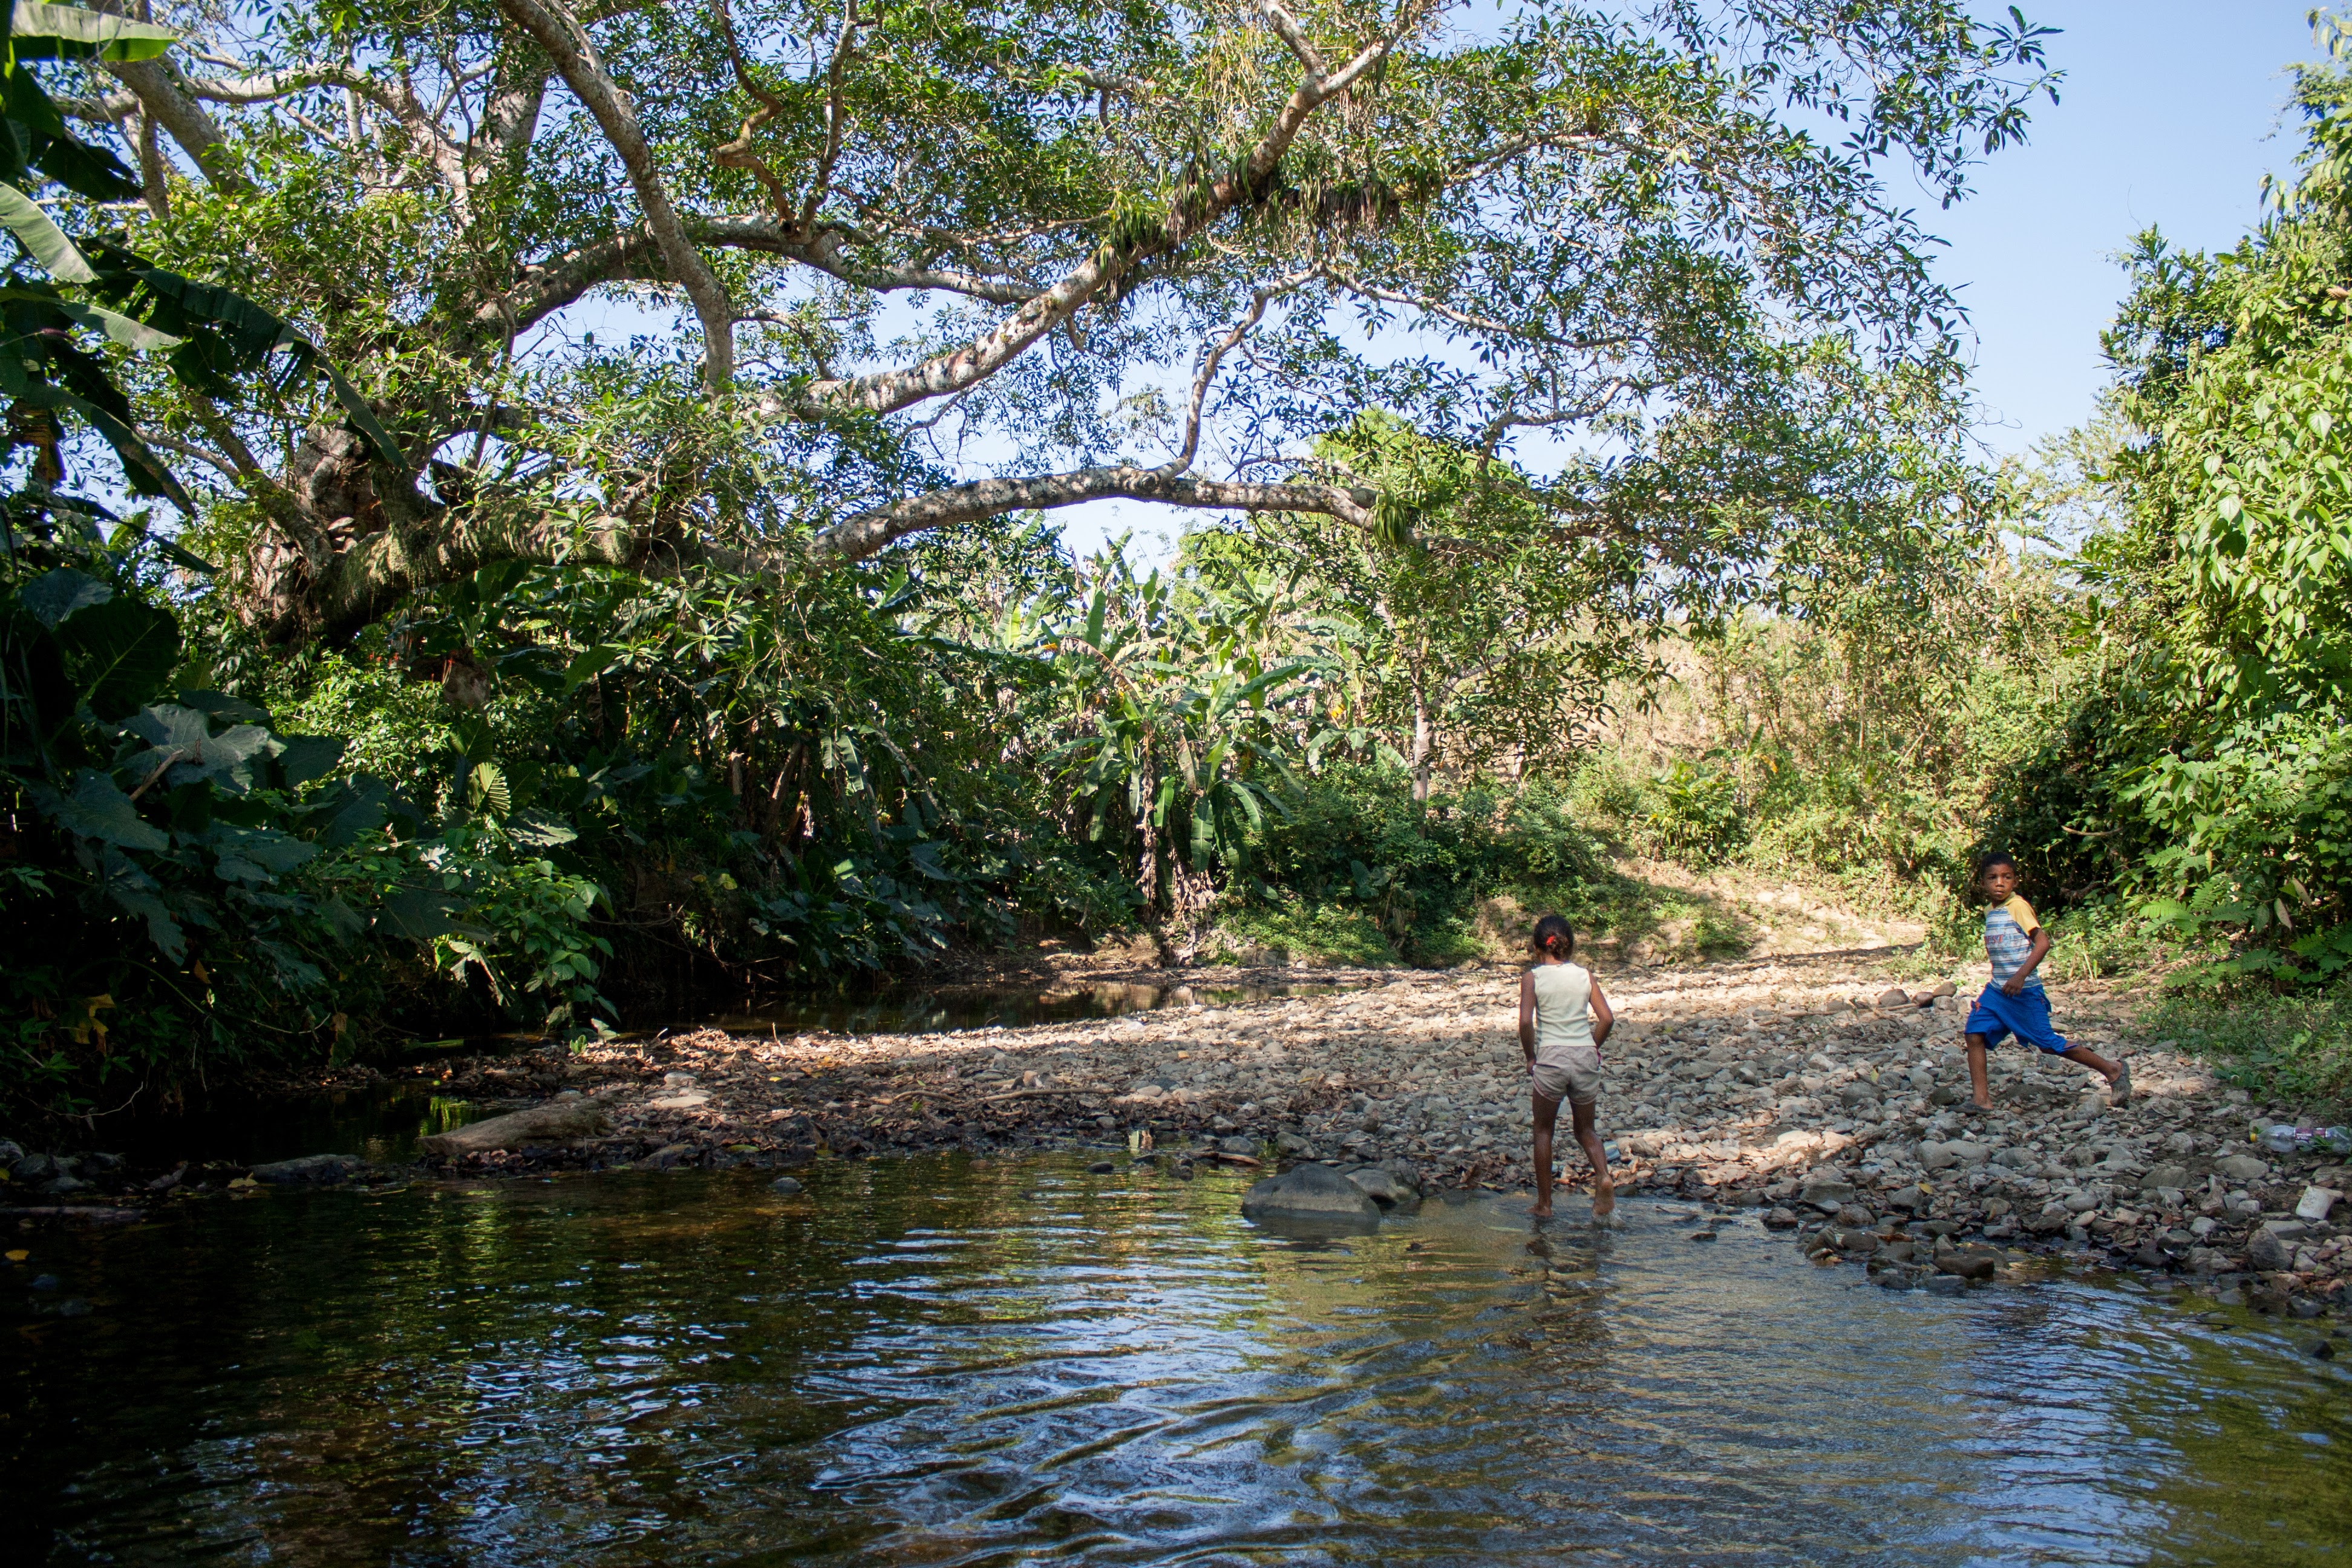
1604,1191
1545,1110
1982,1098
2098,1064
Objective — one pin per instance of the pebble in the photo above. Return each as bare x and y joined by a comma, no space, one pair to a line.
786,1185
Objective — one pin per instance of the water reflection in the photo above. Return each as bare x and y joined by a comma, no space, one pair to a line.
928,1362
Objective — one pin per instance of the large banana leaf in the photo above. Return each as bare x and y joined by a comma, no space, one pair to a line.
39,32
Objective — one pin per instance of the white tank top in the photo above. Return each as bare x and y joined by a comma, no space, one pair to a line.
1563,1014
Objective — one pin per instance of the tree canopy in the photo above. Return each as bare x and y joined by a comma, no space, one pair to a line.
899,265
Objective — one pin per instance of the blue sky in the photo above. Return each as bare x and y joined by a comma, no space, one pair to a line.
2167,117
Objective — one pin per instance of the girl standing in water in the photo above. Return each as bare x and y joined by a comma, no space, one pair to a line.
1563,1018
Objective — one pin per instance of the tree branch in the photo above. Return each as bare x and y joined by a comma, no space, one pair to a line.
566,45
1192,211
1217,352
855,538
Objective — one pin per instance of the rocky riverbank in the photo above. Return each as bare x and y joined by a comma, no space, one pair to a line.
1803,1087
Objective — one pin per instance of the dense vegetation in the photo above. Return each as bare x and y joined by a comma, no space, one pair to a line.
655,591
604,548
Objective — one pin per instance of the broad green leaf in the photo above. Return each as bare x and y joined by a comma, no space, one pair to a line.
303,759
119,654
68,33
99,809
56,595
42,238
131,334
539,829
259,854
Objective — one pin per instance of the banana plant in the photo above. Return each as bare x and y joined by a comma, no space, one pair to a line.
1185,751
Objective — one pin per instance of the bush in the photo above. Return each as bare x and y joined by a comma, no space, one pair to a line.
1353,853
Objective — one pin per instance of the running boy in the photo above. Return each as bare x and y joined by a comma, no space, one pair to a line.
1563,1018
2015,1004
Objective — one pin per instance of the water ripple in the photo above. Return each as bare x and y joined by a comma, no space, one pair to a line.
925,1365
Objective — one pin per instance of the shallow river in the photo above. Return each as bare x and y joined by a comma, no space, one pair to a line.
922,1362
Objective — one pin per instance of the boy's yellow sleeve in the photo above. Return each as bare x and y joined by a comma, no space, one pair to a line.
2022,914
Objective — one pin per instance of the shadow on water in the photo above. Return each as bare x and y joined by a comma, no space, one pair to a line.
930,1361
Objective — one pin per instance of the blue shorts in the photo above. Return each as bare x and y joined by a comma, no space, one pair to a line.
1998,1015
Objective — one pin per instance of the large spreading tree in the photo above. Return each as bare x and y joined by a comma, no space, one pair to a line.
884,266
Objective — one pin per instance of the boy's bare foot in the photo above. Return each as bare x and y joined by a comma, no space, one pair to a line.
1543,1212
1604,1198
2120,1085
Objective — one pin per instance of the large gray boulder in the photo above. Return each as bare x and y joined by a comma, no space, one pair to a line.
309,1170
1383,1186
1316,1194
560,1120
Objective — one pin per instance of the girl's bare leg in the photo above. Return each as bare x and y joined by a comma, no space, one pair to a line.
1545,1110
1604,1191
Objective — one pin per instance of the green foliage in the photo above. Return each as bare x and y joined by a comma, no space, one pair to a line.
2294,1049
1697,816
1415,873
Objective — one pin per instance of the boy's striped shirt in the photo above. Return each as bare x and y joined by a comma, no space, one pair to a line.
2009,939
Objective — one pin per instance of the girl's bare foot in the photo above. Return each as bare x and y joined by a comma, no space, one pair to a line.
1604,1198
1979,1105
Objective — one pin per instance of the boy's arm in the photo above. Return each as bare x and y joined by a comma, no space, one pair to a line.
2016,982
1527,1015
1603,1020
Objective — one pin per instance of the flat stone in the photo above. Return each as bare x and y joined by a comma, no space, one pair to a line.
1944,1285
1895,997
310,1169
2175,1176
2315,1204
1782,1219
558,1120
1315,1193
2242,1168
680,1080
1101,1168
692,1100
787,1186
1238,1145
1968,1265
1827,1196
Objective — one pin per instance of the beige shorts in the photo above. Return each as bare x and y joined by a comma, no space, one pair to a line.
1577,1081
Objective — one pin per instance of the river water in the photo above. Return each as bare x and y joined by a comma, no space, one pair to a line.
928,1362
